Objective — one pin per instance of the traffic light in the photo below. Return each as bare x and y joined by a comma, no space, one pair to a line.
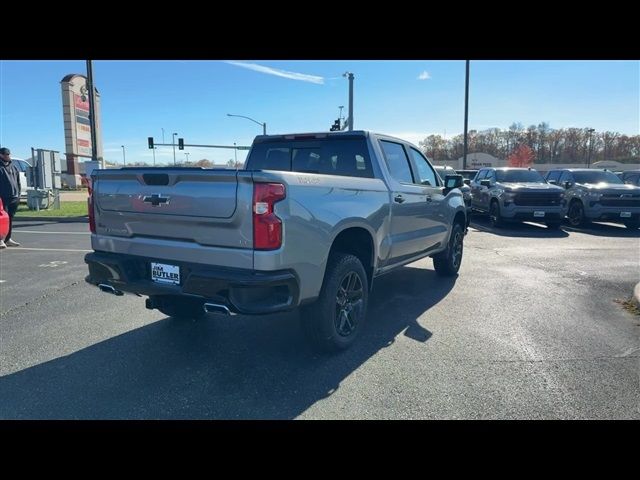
181,144
336,126
150,142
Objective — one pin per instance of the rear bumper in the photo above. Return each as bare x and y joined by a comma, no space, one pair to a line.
242,291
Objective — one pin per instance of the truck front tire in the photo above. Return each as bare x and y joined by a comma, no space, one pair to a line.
447,263
335,320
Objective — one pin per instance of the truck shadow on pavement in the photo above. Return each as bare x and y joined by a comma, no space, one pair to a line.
218,368
516,229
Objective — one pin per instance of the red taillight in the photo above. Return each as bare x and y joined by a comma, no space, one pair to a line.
92,218
267,227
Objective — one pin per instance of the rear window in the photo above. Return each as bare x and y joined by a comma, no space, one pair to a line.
333,156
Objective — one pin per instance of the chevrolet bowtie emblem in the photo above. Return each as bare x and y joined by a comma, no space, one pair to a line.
156,200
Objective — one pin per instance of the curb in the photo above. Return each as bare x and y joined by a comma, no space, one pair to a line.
51,219
636,295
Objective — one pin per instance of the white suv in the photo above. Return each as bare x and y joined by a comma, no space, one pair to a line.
22,168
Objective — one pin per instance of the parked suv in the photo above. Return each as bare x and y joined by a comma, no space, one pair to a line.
517,194
594,194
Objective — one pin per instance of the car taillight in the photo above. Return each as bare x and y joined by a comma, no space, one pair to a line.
267,227
92,218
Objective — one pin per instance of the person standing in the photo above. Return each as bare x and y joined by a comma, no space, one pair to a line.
9,192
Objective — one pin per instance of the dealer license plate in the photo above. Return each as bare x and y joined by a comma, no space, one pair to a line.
164,273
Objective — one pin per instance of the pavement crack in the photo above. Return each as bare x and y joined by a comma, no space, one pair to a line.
47,294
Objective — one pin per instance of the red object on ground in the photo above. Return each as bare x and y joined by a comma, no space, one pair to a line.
4,222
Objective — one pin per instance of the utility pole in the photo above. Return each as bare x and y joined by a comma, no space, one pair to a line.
173,142
466,116
590,130
349,75
154,155
92,112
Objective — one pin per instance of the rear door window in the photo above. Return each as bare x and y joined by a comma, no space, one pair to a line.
397,161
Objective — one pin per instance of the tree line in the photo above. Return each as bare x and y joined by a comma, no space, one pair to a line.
563,145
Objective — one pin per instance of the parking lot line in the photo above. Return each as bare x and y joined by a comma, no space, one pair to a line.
46,249
55,233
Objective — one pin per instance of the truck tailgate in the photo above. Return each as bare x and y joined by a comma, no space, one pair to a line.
197,206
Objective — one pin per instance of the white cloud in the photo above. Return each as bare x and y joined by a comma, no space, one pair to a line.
303,77
424,75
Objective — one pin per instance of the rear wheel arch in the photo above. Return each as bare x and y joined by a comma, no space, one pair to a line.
357,241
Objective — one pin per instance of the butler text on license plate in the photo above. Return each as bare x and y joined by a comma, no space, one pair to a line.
163,273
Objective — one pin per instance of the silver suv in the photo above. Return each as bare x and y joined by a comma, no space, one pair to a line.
517,194
594,194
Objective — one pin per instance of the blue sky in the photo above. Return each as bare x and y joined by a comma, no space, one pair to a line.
408,99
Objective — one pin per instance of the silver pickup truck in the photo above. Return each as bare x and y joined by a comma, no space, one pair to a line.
310,222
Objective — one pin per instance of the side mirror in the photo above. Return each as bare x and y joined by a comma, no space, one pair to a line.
452,181
467,181
485,183
568,184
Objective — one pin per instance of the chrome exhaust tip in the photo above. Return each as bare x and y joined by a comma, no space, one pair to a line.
217,308
109,289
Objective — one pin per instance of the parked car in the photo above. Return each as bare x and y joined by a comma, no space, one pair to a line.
631,177
517,194
4,222
311,222
595,194
443,171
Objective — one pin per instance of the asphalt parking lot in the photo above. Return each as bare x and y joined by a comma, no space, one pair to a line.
530,328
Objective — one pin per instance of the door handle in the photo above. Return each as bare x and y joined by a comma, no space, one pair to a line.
398,199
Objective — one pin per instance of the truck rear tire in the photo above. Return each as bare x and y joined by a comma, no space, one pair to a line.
447,263
333,322
180,307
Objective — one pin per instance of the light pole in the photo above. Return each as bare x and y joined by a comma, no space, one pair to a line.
124,159
340,115
173,141
466,116
162,134
264,125
590,131
235,154
186,154
154,156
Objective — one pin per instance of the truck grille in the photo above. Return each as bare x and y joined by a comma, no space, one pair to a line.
537,199
620,200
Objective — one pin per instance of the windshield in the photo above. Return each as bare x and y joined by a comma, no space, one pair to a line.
519,176
596,177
